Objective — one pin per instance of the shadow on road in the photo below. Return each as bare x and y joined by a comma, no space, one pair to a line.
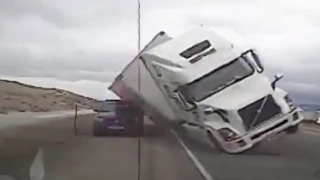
201,144
150,131
263,149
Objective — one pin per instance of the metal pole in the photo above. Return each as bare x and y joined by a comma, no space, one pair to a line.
75,120
139,40
139,84
139,25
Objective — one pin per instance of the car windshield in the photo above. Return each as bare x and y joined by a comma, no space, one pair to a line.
107,107
219,79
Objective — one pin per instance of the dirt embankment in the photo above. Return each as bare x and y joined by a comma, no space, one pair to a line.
19,97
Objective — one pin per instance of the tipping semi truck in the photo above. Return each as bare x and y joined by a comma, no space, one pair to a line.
201,79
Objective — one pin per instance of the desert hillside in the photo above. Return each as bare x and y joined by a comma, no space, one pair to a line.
19,97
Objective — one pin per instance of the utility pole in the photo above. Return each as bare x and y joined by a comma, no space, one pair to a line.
139,84
139,40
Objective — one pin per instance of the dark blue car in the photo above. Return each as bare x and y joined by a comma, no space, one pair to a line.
116,117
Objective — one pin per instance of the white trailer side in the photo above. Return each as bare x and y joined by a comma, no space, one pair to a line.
143,92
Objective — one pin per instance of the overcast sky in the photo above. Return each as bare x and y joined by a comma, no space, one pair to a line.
81,45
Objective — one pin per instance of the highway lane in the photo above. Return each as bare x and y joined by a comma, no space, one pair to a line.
66,156
293,157
62,155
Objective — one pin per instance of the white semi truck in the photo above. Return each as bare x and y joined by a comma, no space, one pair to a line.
201,79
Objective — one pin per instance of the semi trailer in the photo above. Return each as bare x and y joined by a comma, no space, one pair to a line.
200,78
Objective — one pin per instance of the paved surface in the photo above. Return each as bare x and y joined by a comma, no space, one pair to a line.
62,155
294,157
51,147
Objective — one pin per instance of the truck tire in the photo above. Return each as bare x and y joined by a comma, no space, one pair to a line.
215,142
141,131
292,129
138,132
182,122
96,133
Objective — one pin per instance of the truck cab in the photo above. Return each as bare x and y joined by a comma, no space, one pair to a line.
210,83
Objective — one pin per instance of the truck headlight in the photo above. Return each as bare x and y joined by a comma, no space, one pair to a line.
289,101
228,134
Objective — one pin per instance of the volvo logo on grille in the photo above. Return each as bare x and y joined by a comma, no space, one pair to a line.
258,112
254,114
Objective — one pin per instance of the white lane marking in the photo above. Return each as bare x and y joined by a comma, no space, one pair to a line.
194,159
37,167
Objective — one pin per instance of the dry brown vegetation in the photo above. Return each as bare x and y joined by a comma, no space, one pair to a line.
19,97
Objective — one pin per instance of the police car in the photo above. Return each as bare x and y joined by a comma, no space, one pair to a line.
117,117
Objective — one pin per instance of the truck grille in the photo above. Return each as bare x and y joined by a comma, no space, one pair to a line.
249,113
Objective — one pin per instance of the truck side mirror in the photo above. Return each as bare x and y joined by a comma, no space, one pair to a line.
277,77
208,110
184,103
176,96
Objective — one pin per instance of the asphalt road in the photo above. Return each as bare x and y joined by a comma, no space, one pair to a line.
61,155
51,150
293,157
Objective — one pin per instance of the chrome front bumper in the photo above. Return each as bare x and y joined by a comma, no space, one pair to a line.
265,130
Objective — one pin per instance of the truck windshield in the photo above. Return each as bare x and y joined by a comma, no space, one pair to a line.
219,79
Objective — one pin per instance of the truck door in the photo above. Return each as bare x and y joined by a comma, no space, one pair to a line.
163,82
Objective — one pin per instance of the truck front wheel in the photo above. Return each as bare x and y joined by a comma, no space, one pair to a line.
215,142
182,122
292,129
